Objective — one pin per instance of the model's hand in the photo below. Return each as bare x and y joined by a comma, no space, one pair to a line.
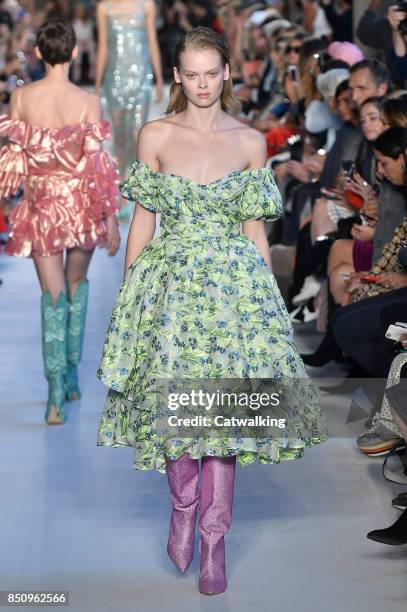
113,235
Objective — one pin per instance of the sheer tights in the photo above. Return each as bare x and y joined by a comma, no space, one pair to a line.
53,274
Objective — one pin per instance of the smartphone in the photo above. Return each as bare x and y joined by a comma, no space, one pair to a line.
346,165
394,332
292,72
370,278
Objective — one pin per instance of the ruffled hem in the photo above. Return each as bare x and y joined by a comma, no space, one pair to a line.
151,455
53,228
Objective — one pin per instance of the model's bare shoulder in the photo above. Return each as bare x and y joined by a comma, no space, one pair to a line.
20,97
158,130
93,105
150,138
254,143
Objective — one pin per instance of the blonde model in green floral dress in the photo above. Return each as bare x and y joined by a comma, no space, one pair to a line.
200,302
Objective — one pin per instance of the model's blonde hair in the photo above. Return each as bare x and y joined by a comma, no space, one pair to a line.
198,39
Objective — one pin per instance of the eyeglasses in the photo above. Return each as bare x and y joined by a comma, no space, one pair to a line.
293,49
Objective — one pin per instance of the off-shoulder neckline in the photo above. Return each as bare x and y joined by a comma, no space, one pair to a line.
80,125
192,182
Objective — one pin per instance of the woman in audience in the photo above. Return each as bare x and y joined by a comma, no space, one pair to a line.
354,255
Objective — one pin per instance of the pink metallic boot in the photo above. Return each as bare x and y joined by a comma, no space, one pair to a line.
215,517
182,476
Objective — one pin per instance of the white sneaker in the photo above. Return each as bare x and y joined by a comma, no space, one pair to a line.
302,314
309,290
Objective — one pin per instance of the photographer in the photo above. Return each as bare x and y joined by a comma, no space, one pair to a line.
378,28
398,53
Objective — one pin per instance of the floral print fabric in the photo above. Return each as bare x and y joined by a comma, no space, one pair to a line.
200,302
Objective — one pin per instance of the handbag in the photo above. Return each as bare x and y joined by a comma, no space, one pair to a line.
397,398
395,465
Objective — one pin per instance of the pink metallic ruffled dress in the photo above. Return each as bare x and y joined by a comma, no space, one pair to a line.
70,186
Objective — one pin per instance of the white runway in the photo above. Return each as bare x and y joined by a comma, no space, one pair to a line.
77,517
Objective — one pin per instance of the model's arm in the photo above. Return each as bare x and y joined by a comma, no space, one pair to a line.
15,103
101,55
256,230
142,227
154,47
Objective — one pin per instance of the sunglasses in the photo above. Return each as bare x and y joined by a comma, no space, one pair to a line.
293,49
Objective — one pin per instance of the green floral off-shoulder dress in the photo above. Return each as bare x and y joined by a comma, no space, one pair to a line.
200,302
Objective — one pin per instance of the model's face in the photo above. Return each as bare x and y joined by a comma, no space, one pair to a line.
371,121
363,86
392,169
202,76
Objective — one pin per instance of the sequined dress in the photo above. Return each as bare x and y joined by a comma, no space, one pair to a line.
70,186
200,302
128,77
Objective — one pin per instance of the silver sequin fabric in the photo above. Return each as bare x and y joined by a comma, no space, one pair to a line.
128,76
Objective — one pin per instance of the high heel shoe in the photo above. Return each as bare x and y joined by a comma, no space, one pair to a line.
76,328
54,325
183,474
215,502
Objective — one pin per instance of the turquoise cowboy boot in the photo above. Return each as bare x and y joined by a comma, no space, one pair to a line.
54,319
76,327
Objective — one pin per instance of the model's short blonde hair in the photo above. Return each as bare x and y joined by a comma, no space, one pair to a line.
202,38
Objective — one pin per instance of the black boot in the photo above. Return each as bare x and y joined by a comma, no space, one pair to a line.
328,350
395,535
351,382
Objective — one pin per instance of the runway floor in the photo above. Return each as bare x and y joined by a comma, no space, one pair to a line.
77,517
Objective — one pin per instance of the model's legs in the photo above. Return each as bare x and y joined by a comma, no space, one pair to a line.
215,503
118,116
76,268
54,315
183,474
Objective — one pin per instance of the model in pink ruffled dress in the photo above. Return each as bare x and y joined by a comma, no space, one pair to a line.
54,135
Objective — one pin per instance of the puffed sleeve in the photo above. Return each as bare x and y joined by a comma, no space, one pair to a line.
13,158
141,186
100,170
261,198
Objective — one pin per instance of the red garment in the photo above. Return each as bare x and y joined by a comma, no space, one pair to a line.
277,138
70,186
3,224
